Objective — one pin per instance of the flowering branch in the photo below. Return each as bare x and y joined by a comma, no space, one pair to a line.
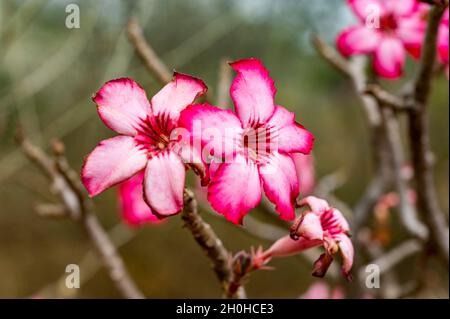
79,206
201,231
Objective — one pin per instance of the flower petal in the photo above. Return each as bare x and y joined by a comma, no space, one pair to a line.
122,105
304,165
340,219
364,8
135,210
280,183
286,246
412,33
252,91
401,8
290,136
111,162
219,130
442,45
177,95
347,252
317,205
310,227
235,189
357,40
389,58
164,183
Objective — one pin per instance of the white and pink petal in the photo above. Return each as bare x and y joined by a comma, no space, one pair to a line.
389,58
347,253
111,162
280,183
317,205
135,210
358,40
304,164
218,130
310,227
287,135
365,9
164,183
175,96
401,8
286,246
411,31
122,105
235,189
252,92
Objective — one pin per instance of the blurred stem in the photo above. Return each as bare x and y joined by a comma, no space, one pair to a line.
427,199
80,209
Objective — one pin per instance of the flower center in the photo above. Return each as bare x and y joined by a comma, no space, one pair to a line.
388,23
258,142
152,137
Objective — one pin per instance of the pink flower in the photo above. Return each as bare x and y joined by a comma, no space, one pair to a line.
256,145
320,225
304,165
387,29
144,142
442,45
134,209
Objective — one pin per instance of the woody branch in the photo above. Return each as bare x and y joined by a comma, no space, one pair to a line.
78,207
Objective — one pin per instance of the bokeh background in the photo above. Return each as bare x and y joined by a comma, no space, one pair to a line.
49,72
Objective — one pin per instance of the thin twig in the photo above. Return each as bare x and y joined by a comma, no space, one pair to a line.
80,208
330,55
408,213
89,264
396,255
148,56
224,83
